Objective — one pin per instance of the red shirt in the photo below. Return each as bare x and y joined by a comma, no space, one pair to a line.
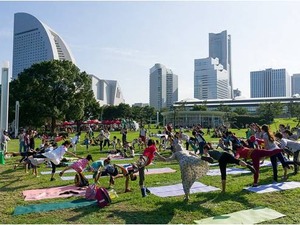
150,153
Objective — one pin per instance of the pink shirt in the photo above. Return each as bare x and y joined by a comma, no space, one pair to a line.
79,165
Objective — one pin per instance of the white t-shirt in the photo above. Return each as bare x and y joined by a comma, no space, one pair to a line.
56,155
292,145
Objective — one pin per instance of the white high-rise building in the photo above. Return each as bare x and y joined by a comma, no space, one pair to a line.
35,42
296,84
211,80
270,83
107,92
163,91
220,47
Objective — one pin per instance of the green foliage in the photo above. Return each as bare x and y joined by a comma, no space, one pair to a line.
240,111
241,120
52,90
270,110
199,108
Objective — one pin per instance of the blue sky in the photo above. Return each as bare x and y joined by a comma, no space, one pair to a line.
123,40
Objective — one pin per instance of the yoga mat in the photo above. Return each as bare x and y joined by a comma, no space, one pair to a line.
73,177
267,163
250,216
45,207
58,171
177,189
159,170
274,187
55,192
215,172
148,172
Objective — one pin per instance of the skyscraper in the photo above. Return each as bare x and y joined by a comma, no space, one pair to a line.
270,83
220,47
211,81
296,84
163,91
35,42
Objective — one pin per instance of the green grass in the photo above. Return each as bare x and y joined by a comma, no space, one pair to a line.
131,208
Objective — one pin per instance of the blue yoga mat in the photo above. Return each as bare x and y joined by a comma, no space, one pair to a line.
45,207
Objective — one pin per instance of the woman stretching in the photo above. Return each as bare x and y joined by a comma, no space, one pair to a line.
255,155
269,141
224,158
192,167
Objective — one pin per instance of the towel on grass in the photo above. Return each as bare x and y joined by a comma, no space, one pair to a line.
54,192
58,171
249,216
274,187
215,172
177,189
45,207
148,172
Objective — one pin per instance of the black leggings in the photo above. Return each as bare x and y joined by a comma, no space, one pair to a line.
224,160
53,166
283,162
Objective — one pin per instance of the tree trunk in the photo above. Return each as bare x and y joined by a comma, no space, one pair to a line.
53,124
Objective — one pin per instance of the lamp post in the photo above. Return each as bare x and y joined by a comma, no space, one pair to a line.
4,97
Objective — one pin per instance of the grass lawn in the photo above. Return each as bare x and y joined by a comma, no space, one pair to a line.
131,208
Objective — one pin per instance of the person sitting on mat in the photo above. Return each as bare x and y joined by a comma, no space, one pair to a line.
224,158
192,167
79,165
255,155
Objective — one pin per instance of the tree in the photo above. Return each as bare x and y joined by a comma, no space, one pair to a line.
294,111
240,111
270,110
52,90
199,108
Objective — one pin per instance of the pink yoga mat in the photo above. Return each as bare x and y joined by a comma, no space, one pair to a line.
55,192
159,170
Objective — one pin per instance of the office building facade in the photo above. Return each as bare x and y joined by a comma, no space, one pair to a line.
220,47
270,83
35,42
211,80
296,84
163,88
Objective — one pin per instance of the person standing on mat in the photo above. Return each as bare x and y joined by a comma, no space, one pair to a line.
270,145
255,155
56,155
290,146
192,167
145,159
224,158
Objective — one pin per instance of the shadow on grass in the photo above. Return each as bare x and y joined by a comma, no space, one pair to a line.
6,187
162,214
84,211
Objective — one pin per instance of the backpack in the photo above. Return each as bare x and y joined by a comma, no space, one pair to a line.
80,180
102,197
90,193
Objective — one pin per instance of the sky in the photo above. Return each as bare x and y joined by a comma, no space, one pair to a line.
122,40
